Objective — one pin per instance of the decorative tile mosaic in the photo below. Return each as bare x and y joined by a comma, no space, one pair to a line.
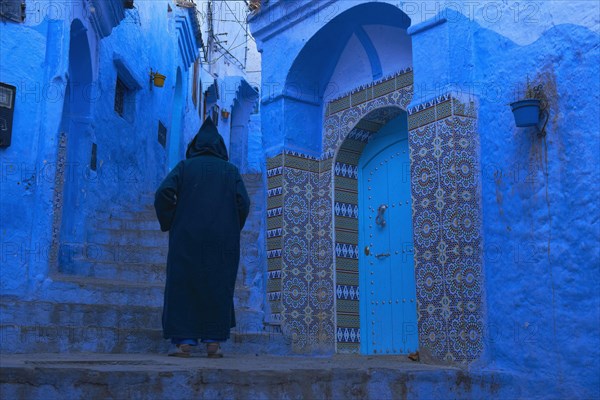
340,121
447,234
57,199
346,134
303,281
345,175
274,236
312,201
362,94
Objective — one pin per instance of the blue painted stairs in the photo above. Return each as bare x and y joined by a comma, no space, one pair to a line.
111,300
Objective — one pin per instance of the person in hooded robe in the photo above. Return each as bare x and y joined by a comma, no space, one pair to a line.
203,204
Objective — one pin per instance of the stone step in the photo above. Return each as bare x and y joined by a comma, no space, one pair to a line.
146,215
18,339
43,313
146,220
72,339
131,272
148,238
65,288
236,376
131,222
147,199
127,224
16,311
29,327
148,272
143,214
113,253
41,326
249,342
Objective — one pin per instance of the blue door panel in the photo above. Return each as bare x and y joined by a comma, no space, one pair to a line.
388,305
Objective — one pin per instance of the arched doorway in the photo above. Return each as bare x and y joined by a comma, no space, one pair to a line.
347,70
76,130
174,154
356,129
241,109
314,144
388,312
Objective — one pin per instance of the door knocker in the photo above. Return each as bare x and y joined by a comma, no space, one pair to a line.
380,220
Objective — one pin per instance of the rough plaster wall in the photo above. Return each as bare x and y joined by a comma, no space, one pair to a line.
133,148
253,64
250,285
541,211
522,22
540,217
256,156
526,22
28,165
130,159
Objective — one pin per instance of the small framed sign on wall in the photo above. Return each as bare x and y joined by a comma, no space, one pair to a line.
7,110
162,134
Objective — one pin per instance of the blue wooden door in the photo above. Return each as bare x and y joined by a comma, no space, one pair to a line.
388,310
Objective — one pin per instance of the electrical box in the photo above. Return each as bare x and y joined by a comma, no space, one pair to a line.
13,10
7,110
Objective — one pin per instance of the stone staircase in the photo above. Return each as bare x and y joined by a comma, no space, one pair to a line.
65,327
111,299
125,246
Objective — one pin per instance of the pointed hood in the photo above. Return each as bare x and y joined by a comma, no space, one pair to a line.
207,141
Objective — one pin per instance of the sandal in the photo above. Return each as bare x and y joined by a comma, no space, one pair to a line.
184,350
213,350
414,356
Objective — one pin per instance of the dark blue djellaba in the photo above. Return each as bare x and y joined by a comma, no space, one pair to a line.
203,204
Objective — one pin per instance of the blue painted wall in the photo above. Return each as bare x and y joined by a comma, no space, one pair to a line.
19,181
540,208
541,211
130,161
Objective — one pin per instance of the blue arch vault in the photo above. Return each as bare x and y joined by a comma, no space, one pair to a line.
310,75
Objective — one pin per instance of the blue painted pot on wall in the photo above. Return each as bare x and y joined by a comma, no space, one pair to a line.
526,112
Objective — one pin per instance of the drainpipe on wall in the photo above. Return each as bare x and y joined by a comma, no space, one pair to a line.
210,39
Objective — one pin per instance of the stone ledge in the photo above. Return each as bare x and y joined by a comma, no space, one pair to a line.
242,377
